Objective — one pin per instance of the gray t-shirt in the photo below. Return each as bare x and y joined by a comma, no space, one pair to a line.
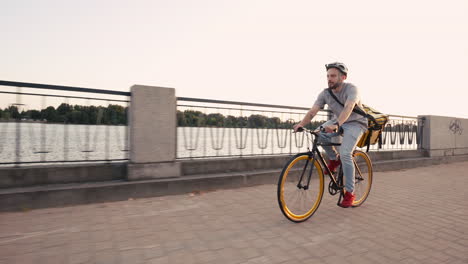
349,92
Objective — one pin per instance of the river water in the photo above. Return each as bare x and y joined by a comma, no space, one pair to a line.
58,142
28,142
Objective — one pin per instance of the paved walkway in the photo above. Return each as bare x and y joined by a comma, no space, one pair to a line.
412,216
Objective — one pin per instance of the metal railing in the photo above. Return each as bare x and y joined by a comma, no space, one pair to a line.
42,123
215,128
402,133
73,124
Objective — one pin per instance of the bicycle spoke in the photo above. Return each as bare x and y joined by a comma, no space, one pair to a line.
358,177
358,170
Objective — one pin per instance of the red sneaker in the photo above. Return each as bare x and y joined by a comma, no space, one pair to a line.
348,200
332,165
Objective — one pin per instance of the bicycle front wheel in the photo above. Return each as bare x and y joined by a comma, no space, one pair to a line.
362,177
300,187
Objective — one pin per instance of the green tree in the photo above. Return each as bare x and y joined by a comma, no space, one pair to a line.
273,122
74,117
257,121
231,121
63,109
216,120
25,114
49,114
93,114
14,113
194,118
242,121
35,115
85,119
115,115
181,119
6,114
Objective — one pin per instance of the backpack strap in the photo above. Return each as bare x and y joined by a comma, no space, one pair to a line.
356,108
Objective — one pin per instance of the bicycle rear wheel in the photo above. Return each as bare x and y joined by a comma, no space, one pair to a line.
300,187
362,176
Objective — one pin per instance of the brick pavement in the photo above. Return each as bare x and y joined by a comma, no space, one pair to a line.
411,216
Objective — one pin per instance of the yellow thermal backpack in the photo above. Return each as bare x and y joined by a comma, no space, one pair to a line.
375,126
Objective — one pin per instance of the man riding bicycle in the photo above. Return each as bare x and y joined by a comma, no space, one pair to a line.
353,125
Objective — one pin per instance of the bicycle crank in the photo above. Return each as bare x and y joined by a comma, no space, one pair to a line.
332,188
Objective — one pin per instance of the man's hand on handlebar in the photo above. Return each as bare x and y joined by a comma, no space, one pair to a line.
298,128
331,128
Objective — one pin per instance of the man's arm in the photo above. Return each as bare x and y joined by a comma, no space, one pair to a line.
308,117
347,110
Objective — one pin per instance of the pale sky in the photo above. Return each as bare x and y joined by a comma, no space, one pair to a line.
407,57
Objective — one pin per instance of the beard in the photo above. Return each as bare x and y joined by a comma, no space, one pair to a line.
333,86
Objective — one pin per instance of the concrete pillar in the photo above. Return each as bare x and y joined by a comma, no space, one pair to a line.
153,132
445,136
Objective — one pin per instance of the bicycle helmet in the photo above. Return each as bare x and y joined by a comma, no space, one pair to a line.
338,65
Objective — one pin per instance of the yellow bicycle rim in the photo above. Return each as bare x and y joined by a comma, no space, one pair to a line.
318,198
368,181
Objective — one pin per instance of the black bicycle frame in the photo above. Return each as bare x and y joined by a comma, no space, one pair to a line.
336,179
316,153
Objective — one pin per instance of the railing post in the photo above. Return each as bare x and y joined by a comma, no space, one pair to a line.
419,132
18,127
152,133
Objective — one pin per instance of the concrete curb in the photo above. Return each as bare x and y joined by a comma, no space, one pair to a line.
61,174
59,195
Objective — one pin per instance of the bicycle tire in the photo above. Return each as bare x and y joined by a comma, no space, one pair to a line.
363,177
288,192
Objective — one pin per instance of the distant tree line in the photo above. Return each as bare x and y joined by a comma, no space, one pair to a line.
117,115
193,118
72,114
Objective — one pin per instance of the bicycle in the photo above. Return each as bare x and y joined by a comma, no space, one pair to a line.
302,178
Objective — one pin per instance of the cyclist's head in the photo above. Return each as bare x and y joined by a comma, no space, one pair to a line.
339,66
337,72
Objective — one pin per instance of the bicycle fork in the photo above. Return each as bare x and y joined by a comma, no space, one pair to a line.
299,184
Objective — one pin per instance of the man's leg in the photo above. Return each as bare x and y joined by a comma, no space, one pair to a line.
332,154
324,138
351,135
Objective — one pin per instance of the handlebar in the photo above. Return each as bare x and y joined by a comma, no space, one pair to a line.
320,129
